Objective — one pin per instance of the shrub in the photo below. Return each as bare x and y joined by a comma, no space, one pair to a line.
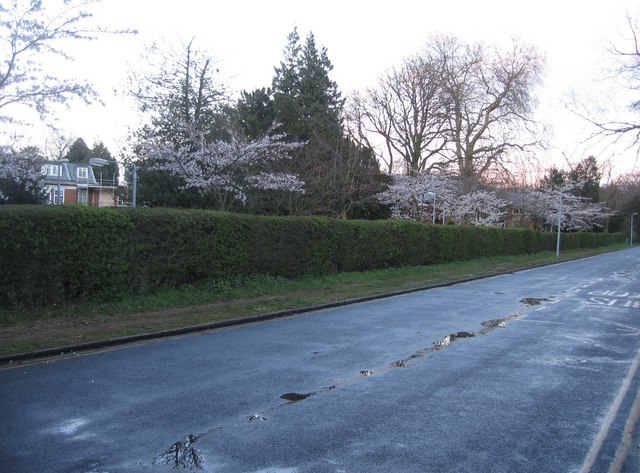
60,254
56,254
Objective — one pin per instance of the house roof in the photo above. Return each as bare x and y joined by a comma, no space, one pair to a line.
69,175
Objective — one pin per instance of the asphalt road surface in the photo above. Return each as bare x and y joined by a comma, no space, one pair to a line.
535,371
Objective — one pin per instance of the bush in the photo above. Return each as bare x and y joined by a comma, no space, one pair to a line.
61,254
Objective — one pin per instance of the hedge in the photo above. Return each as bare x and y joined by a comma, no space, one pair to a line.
59,254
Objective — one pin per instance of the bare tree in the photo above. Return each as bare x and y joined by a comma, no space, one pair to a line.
490,98
178,86
624,129
463,105
57,146
407,110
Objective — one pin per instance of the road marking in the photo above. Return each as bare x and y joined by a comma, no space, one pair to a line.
590,459
627,437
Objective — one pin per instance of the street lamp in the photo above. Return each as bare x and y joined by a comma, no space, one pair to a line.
559,226
60,161
432,196
134,178
631,230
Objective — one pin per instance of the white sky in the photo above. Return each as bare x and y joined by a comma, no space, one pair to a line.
363,38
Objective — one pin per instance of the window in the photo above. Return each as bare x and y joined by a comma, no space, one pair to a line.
83,196
83,173
57,198
50,169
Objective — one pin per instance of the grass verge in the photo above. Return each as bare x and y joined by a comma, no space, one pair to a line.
28,330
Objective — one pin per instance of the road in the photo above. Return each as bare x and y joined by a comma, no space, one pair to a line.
535,371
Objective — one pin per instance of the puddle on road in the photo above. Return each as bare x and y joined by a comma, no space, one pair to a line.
488,325
295,397
256,417
183,454
532,301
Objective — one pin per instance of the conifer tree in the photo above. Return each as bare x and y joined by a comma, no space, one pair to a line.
339,174
307,101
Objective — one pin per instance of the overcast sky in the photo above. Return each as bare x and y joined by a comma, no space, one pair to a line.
363,38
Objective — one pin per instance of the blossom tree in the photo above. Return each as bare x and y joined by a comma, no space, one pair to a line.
21,179
33,34
574,212
479,208
423,196
227,168
542,208
412,197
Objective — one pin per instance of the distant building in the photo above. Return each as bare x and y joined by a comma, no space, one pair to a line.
78,185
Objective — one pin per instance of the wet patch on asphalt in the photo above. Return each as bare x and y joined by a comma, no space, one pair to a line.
256,417
295,397
184,455
532,301
488,326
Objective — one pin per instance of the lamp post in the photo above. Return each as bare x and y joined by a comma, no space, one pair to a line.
60,161
559,226
432,196
134,183
434,208
134,176
631,230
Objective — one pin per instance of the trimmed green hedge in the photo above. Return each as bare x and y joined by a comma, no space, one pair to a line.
59,254
53,255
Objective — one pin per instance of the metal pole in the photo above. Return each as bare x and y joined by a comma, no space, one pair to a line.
135,183
559,226
434,208
57,199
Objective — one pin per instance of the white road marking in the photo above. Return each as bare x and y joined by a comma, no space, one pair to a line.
627,437
590,459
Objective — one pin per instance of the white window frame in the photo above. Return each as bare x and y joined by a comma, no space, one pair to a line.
83,196
51,169
82,173
54,194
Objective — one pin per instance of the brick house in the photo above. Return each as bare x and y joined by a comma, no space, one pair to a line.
78,185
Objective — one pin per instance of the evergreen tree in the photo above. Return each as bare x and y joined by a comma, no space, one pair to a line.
307,101
109,172
255,112
339,175
587,174
320,99
78,152
555,178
